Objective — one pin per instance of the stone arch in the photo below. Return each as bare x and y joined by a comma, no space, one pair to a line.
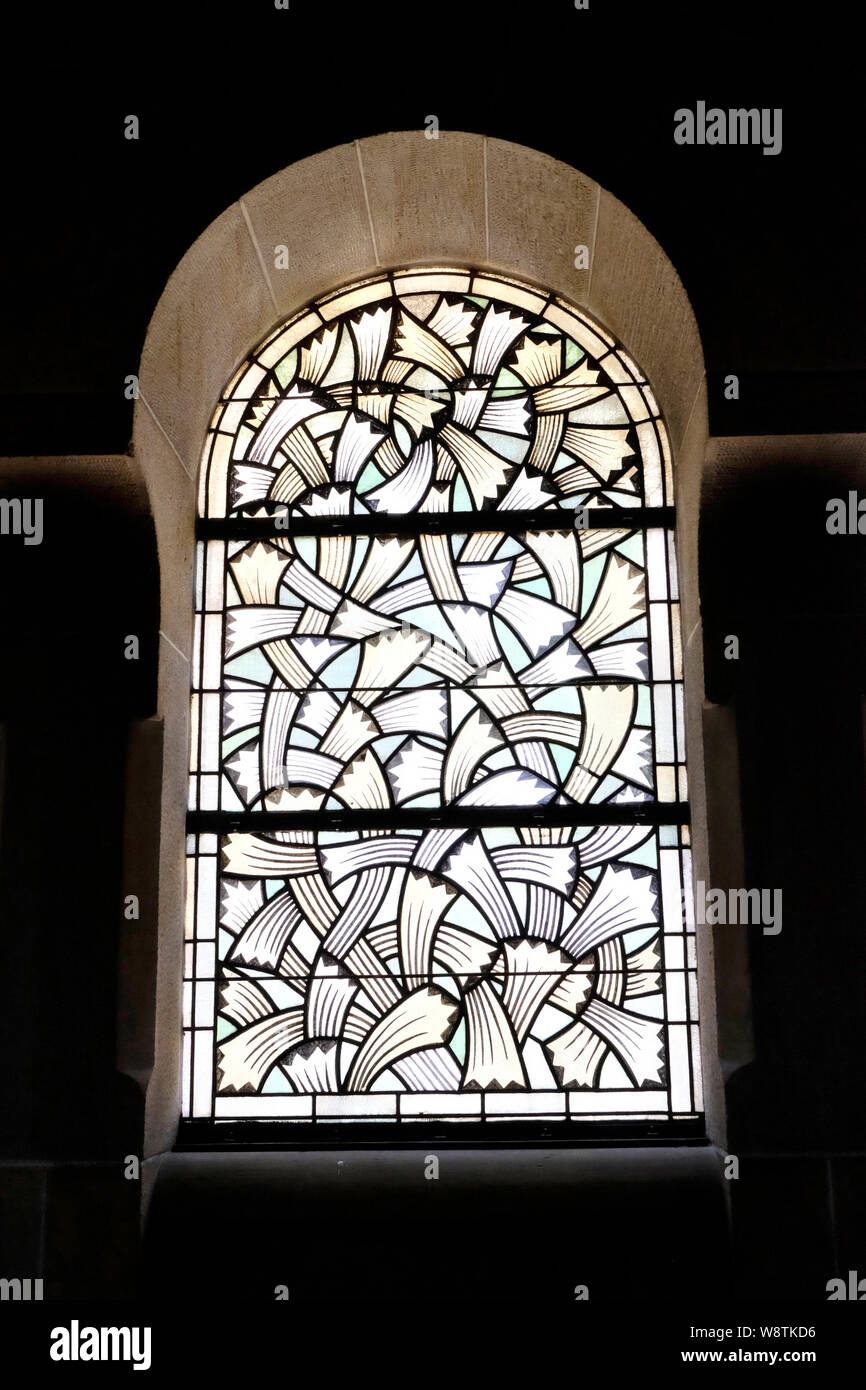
348,212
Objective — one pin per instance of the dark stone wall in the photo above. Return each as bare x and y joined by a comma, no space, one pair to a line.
67,699
510,1225
796,598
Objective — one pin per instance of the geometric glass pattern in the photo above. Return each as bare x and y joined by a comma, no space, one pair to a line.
438,822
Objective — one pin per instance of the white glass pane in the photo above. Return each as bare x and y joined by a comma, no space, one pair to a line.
208,792
202,1079
689,891
681,1089
467,1106
653,489
218,468
657,564
481,284
194,713
661,647
249,383
664,724
676,633
204,1003
676,997
694,1010
672,899
186,1074
636,407
187,1003
697,1072
212,655
680,722
418,282
263,1107
611,1103
215,597
668,465
207,879
355,1107
672,566
210,731
199,573
195,672
345,303
205,960
511,1105
674,953
189,913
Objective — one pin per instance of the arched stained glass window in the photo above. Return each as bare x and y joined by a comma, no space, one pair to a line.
438,819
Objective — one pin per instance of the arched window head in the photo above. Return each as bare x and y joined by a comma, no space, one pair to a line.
438,814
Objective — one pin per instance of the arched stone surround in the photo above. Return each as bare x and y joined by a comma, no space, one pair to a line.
347,212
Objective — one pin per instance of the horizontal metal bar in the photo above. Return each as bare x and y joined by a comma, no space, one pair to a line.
480,1133
632,813
433,523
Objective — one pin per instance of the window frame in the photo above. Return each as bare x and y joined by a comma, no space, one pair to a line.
218,1132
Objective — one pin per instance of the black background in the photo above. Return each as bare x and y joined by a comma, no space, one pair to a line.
769,248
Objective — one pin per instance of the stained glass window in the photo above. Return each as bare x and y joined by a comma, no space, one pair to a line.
438,816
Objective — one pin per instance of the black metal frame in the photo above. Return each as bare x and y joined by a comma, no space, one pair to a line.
431,523
305,1136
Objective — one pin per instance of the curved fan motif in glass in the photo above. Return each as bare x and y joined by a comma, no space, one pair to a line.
438,809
